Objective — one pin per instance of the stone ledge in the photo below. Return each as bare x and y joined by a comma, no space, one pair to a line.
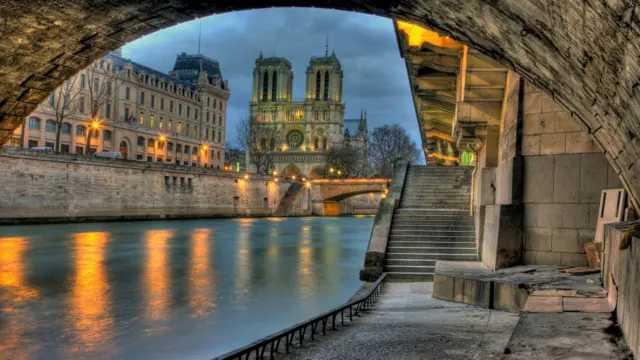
531,288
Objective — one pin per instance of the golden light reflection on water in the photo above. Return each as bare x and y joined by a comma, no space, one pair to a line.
201,278
91,321
14,291
243,263
305,264
157,277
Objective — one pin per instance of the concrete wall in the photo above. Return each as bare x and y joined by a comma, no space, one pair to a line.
58,187
564,174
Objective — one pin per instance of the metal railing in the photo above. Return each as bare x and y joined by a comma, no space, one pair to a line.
294,336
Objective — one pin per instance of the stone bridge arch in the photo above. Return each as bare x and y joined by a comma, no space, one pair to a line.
354,193
585,54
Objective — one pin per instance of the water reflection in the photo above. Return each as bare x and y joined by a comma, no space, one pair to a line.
305,264
157,277
201,277
243,262
15,320
91,321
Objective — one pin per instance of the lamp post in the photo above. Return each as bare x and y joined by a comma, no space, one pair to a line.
95,126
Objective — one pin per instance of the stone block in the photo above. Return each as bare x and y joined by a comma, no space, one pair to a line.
538,124
530,215
566,123
443,287
594,213
579,142
550,105
575,216
533,103
538,239
543,304
593,177
529,257
613,181
552,144
548,258
509,297
530,145
585,236
550,215
565,240
566,177
589,305
538,179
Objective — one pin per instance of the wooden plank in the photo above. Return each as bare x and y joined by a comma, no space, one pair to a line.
580,270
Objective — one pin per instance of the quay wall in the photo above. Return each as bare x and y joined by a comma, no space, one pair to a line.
43,188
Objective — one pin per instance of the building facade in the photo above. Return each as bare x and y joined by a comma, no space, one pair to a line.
306,129
148,115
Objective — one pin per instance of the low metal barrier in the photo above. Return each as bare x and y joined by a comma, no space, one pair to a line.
268,347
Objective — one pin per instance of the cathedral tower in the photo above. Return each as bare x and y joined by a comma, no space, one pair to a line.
272,79
324,79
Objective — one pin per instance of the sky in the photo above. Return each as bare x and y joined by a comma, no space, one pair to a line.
375,76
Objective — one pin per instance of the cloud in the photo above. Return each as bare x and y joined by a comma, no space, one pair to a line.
375,76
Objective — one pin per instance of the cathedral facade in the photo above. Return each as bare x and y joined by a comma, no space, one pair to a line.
307,128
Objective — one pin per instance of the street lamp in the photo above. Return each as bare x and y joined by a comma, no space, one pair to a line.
94,126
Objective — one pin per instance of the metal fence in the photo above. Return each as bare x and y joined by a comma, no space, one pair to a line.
268,347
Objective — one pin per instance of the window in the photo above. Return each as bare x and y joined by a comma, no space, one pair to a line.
318,85
51,126
81,130
64,148
106,135
219,120
33,143
208,116
265,86
161,123
213,135
49,145
220,104
188,132
142,97
34,123
180,128
189,182
215,103
52,99
219,136
81,105
153,100
66,128
149,158
208,101
95,133
126,114
161,103
219,154
107,111
141,118
151,121
170,106
169,146
194,150
213,152
324,143
170,125
188,111
179,109
187,149
274,87
195,114
178,148
96,85
195,132
83,79
109,89
79,149
138,157
160,146
150,143
206,131
127,93
326,85
167,182
140,141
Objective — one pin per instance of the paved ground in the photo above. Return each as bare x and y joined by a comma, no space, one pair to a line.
407,323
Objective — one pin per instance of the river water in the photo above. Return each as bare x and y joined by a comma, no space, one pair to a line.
169,290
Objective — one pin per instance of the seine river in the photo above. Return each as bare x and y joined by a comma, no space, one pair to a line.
169,290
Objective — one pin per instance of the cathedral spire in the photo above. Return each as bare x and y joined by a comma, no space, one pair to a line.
326,47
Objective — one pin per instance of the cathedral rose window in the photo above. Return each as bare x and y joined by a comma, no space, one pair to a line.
295,138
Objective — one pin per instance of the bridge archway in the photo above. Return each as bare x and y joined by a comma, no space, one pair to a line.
340,204
292,170
582,53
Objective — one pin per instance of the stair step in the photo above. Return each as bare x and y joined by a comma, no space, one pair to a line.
433,225
410,268
409,276
432,232
430,249
447,244
428,238
431,256
418,262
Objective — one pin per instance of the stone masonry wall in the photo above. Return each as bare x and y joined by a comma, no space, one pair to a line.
564,174
37,187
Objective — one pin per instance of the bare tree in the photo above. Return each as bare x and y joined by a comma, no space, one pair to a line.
386,145
350,161
259,141
102,82
64,102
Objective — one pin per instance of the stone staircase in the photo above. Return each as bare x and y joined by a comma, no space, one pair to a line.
432,223
288,199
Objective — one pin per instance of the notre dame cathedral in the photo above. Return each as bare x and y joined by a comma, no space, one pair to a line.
306,128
